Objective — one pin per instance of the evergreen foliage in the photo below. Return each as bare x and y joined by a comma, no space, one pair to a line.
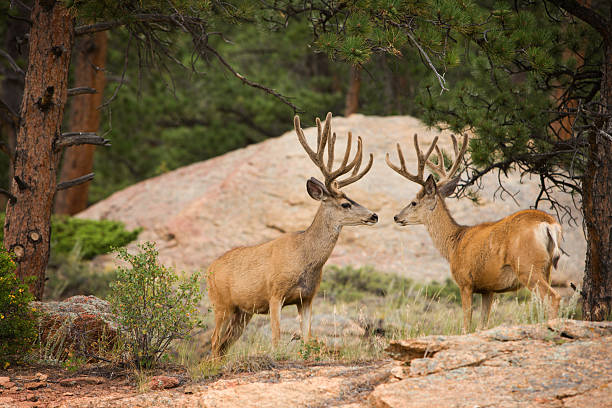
18,327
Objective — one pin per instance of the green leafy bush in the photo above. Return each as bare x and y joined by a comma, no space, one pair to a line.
350,284
153,306
17,319
94,237
69,275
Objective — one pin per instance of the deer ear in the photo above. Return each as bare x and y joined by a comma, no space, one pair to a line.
430,185
448,188
316,189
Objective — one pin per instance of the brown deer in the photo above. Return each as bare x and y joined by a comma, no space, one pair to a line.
287,270
488,258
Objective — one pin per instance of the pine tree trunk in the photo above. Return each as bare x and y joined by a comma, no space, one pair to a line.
352,96
597,207
84,117
27,228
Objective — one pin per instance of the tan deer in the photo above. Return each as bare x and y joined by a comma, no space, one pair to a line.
287,270
488,258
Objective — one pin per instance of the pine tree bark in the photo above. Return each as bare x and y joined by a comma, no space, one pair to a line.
352,96
597,205
90,59
27,228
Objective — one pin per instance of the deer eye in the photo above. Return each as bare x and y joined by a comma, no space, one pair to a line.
346,205
413,203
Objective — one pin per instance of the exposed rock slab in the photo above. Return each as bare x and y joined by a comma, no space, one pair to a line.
251,195
78,322
563,363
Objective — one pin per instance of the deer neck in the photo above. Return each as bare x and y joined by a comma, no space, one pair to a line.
443,229
321,237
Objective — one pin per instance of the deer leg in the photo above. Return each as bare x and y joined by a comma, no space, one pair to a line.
275,316
535,280
305,311
222,319
239,321
466,305
487,301
539,286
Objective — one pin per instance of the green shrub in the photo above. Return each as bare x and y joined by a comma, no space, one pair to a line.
153,306
94,237
69,275
349,284
17,319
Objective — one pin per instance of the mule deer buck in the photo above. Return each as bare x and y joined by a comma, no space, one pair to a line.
488,258
287,270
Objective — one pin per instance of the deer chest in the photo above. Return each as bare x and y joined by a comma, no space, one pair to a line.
305,287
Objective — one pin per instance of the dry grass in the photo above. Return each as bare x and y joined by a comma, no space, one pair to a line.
411,310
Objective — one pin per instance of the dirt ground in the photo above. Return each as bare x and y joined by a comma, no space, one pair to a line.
48,387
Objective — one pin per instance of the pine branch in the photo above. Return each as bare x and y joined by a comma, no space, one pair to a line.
75,182
81,90
586,14
250,83
80,138
141,18
6,193
440,78
9,113
12,62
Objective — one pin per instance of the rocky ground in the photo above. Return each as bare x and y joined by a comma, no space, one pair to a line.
558,364
252,195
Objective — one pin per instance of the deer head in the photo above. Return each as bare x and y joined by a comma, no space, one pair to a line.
426,200
341,209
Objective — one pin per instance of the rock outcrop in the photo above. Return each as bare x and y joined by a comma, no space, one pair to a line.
560,364
254,194
563,363
81,323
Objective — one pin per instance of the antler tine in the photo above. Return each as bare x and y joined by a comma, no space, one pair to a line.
316,157
347,152
344,168
458,154
330,151
402,171
439,168
356,176
324,136
455,147
422,159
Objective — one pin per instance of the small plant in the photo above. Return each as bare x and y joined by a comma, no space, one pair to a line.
153,306
312,350
17,318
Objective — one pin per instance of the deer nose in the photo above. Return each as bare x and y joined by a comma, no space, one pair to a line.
374,217
395,218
